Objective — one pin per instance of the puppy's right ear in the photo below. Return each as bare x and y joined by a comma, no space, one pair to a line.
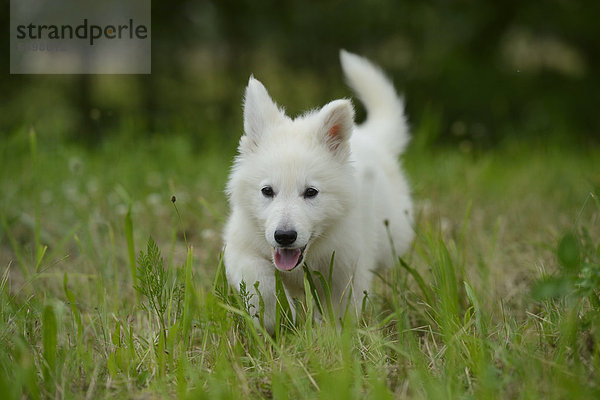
260,112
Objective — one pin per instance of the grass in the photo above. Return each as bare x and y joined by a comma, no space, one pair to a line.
498,297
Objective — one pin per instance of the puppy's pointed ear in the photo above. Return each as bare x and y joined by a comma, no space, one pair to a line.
336,127
259,110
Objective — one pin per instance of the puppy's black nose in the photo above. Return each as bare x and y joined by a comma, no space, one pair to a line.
285,238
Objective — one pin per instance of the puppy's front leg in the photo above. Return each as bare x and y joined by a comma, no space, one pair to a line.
252,269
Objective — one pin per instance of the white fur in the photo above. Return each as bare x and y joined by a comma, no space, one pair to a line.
355,170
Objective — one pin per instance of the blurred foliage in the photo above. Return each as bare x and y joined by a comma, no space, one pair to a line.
480,70
579,275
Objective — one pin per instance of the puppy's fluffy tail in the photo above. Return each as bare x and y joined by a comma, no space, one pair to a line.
385,109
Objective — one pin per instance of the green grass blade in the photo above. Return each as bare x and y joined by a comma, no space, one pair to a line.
425,290
74,310
40,257
283,313
49,343
327,293
313,289
130,245
261,304
220,284
188,295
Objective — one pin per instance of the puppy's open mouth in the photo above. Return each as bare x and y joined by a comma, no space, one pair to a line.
287,259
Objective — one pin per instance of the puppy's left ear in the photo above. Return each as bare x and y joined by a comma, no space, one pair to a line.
337,121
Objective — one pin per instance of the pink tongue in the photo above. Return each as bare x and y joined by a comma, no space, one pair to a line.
286,259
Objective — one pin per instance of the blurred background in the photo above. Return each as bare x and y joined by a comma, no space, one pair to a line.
473,72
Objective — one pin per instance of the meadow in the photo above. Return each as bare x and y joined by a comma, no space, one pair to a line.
112,284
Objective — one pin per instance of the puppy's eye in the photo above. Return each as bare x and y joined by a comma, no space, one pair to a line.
310,192
267,191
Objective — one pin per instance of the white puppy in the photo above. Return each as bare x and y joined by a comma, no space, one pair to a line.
303,188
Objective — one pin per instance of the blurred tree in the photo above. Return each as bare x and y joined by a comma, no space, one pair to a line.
481,69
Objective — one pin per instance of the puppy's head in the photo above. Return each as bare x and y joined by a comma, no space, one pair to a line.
292,177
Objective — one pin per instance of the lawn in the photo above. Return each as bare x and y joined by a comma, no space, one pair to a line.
498,298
